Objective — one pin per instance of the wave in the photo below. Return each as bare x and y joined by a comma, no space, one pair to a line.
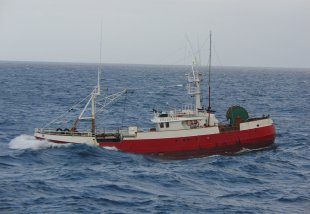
23,142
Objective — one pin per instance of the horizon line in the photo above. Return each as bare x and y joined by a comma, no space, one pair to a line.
141,64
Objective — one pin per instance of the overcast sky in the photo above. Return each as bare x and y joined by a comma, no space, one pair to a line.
267,33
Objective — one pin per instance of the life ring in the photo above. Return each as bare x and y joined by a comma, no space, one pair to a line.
189,122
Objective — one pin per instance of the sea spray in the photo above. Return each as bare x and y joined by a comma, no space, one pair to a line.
24,141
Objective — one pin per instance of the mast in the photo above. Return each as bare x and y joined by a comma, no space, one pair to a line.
100,62
194,78
193,87
93,114
209,106
97,90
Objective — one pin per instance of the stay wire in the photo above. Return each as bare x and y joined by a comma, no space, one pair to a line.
71,108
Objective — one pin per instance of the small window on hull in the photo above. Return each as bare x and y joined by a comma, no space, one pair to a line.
167,124
161,125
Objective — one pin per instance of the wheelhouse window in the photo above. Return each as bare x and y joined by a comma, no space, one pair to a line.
161,125
167,124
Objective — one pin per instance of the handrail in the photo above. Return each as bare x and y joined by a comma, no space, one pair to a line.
65,133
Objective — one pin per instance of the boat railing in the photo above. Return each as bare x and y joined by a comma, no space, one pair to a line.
187,107
118,131
99,132
259,118
185,110
62,132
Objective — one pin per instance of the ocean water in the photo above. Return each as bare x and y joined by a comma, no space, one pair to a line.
42,177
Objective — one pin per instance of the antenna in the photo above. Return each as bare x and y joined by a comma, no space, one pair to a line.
198,51
100,63
100,41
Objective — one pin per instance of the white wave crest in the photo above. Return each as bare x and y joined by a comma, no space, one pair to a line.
23,142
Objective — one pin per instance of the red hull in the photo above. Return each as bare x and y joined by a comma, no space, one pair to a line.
226,142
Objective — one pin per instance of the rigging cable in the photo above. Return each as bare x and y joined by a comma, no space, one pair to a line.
69,110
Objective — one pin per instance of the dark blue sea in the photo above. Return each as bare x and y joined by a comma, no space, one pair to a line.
41,177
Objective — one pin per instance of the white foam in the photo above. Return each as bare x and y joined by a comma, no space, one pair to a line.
23,142
111,148
245,150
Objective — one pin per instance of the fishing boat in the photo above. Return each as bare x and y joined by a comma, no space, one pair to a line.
192,130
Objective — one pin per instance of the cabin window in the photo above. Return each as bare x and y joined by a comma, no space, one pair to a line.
161,125
167,124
